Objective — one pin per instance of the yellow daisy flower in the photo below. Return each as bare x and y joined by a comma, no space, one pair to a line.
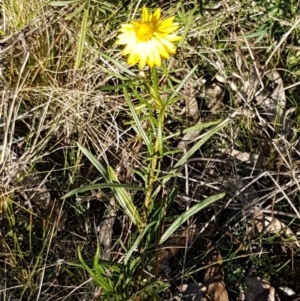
149,40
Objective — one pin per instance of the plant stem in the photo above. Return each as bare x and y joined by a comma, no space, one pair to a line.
152,176
158,146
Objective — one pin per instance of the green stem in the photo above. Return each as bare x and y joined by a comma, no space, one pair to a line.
158,146
153,173
152,177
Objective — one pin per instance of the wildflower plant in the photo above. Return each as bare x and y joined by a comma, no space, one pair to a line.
147,42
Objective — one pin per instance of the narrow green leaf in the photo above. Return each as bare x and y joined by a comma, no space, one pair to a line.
154,86
99,280
188,26
196,127
183,82
152,289
144,102
64,3
124,199
117,87
100,273
122,196
82,35
113,266
119,65
100,187
255,34
186,215
95,162
197,145
134,263
173,100
141,174
76,11
140,130
137,242
167,177
97,267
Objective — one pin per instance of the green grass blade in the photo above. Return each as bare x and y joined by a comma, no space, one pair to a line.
76,11
186,215
95,162
64,3
188,26
100,187
97,267
82,35
183,82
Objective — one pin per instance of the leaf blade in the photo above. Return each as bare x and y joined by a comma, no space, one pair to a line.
186,215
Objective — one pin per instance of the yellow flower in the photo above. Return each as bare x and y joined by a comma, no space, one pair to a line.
149,40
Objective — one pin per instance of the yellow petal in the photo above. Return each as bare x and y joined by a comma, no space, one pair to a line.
144,55
168,22
157,15
168,45
173,38
133,58
150,60
163,52
157,57
167,29
124,39
126,27
129,48
145,14
153,56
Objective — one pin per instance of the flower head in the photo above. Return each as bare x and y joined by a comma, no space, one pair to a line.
149,40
